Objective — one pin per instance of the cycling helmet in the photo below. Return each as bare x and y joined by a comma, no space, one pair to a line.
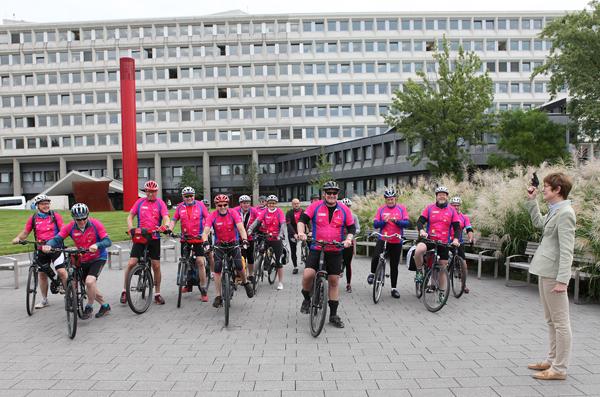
187,190
221,198
151,186
455,200
390,192
272,197
79,211
262,198
442,189
39,198
331,185
206,202
315,197
347,202
244,198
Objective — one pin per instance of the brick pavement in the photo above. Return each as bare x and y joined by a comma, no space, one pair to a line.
478,345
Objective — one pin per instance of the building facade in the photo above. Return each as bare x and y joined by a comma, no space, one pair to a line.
216,92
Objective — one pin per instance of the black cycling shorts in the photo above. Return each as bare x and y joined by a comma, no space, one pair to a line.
137,250
333,261
198,249
93,268
236,255
443,251
50,257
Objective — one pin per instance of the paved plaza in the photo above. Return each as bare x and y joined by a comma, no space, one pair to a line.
478,345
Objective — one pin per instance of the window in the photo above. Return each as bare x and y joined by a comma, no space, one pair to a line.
367,152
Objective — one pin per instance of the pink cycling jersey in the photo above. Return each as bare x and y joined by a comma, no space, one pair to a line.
45,227
149,213
439,221
465,222
395,213
193,218
248,219
271,223
94,232
322,229
224,226
260,210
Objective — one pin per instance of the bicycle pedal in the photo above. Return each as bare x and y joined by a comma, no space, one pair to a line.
387,275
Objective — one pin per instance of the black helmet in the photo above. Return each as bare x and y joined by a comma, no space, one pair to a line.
315,196
331,185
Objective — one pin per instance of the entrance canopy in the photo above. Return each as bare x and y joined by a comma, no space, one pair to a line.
64,186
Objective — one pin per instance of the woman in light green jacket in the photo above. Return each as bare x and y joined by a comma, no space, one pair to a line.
552,264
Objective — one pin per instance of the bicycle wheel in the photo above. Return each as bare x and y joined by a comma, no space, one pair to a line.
226,294
181,279
304,252
318,306
31,292
71,308
139,288
258,268
378,281
435,288
458,277
419,285
81,295
207,270
272,272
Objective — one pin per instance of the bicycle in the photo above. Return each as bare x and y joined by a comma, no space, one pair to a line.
436,275
187,269
259,253
319,292
266,260
32,278
228,285
380,274
304,252
456,273
140,283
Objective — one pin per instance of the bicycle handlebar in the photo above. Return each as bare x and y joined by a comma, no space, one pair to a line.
436,242
71,250
323,243
385,235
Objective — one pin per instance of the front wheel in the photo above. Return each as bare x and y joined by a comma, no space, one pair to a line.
419,284
435,288
272,272
140,286
181,279
71,305
31,292
458,277
318,306
226,294
378,281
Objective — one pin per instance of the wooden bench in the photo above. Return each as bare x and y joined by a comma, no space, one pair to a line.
578,273
14,265
511,262
489,249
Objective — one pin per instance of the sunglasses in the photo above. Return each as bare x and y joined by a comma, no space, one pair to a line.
81,219
221,205
188,196
331,193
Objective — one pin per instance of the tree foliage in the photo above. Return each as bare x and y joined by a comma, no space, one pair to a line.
574,63
323,171
189,178
528,138
444,109
252,176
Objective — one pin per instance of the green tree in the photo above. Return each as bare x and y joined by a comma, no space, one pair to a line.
443,111
189,178
323,171
252,176
528,138
574,62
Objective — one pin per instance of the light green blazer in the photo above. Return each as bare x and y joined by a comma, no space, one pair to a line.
554,257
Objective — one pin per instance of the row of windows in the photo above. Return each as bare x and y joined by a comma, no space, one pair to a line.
305,47
331,25
177,137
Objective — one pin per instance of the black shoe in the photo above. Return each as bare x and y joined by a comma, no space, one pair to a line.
251,279
395,293
87,312
218,302
249,289
104,310
305,308
370,278
336,321
295,271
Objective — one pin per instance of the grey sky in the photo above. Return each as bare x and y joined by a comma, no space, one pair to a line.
82,10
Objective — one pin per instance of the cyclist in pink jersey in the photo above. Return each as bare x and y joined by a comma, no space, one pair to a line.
440,219
465,226
193,215
45,224
390,219
291,218
262,205
151,213
90,234
329,220
272,224
248,215
228,228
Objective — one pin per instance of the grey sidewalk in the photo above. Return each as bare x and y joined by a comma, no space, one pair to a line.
478,345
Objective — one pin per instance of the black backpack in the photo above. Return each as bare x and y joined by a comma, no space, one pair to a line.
51,213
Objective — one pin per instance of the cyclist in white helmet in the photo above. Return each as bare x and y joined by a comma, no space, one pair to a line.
465,226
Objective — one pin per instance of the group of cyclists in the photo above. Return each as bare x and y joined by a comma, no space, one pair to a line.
326,219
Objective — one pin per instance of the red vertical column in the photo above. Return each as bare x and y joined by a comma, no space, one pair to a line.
128,133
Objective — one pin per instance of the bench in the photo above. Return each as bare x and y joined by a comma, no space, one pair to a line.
490,249
408,239
510,262
578,272
14,265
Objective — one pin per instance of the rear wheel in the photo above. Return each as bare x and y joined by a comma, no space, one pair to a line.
435,288
378,281
226,294
32,280
458,276
181,279
272,272
318,306
139,288
71,308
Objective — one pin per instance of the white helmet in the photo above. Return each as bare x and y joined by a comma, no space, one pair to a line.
244,198
272,197
39,198
346,201
390,192
455,200
442,189
80,211
187,190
